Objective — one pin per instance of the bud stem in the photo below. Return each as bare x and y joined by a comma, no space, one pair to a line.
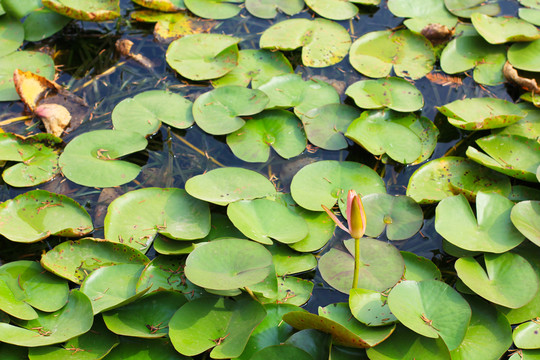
356,263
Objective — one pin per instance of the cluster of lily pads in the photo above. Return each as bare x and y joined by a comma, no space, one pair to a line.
222,266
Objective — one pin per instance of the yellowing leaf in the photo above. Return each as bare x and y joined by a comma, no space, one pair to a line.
31,87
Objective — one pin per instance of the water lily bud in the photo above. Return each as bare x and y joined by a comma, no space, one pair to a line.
356,217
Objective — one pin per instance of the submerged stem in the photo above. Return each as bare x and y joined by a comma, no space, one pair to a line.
356,263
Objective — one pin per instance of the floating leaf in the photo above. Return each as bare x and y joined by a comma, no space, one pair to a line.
11,35
465,8
293,291
222,324
145,349
376,53
268,9
225,185
145,112
492,232
101,10
524,56
393,93
432,309
203,56
338,9
419,268
288,261
422,13
323,42
91,159
74,260
525,336
37,214
381,266
214,9
530,15
281,351
276,129
508,280
499,30
162,5
453,175
43,23
20,9
526,218
218,111
370,307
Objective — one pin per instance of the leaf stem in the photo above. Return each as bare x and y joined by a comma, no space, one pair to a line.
356,263
253,296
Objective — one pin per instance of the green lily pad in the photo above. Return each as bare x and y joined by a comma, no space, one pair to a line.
432,309
465,8
294,291
218,111
228,264
162,5
163,273
26,285
90,159
370,307
481,113
147,317
406,344
512,155
268,9
471,51
326,125
137,216
453,175
35,62
100,10
530,15
74,260
74,319
493,231
338,9
404,137
214,9
419,268
313,342
226,185
145,349
145,112
508,280
37,214
376,53
288,261
11,35
401,216
336,320
381,266
43,23
526,218
20,8
526,336
323,42
203,56
528,127
112,286
37,159
276,129
255,67
325,182
282,351
290,90
95,344
393,93
488,335
200,324
500,30
524,56
422,13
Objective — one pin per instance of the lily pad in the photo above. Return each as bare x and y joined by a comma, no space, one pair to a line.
137,216
432,309
500,30
524,56
338,9
508,280
528,127
370,307
288,261
35,62
228,264
225,185
147,317
203,56
381,266
526,218
255,67
393,93
325,125
145,349
218,111
145,112
294,291
525,336
74,319
453,175
91,159
282,351
11,35
419,268
530,15
465,8
162,5
100,10
37,214
313,342
43,23
492,232
422,13
276,129
401,216
19,9
268,9
74,260
222,324
26,286
512,155
214,9
323,42
325,182
375,54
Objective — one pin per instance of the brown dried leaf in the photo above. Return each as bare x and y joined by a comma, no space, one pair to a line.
444,80
55,117
437,33
124,47
512,75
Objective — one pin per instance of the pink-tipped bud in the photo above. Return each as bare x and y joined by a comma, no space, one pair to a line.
356,216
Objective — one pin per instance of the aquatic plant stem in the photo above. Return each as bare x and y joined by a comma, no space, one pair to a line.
356,263
253,296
